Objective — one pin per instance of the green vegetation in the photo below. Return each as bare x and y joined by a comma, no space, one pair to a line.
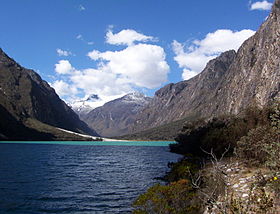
177,197
262,145
200,180
11,126
219,133
54,133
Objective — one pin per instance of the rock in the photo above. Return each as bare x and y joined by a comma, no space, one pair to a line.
176,101
235,186
245,195
242,180
229,170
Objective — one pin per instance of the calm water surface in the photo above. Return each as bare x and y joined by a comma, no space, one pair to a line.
77,179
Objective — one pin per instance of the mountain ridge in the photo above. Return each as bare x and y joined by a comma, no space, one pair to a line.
115,117
25,95
84,106
176,101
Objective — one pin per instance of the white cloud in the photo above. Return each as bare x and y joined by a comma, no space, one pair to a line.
94,81
195,57
63,89
116,72
126,37
193,60
94,55
142,65
261,5
63,67
222,40
188,74
61,52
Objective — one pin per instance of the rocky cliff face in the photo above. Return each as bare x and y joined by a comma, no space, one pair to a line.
25,95
254,76
187,98
115,117
227,85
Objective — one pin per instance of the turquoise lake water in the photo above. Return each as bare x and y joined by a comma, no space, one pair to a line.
98,143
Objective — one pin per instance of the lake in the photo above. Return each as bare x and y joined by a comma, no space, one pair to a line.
78,177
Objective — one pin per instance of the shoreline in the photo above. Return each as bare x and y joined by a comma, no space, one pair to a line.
110,139
94,143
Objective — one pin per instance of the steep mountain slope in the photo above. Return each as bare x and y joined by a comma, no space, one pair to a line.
186,98
25,95
115,117
227,85
254,77
11,128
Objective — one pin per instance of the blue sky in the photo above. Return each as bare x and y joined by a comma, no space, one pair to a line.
111,47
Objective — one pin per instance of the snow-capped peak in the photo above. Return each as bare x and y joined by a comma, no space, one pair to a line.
135,97
84,106
87,104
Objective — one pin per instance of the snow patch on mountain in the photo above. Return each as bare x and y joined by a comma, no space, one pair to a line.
85,105
135,97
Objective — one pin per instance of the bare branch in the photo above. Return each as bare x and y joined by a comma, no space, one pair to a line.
225,152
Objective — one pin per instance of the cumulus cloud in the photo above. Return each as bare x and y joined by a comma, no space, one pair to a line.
117,72
61,52
188,74
143,65
261,5
195,57
94,55
63,67
192,60
126,37
94,81
62,88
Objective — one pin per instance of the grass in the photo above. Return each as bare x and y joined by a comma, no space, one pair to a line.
57,134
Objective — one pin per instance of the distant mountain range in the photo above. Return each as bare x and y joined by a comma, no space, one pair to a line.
115,117
28,105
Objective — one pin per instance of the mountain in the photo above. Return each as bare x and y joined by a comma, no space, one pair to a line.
186,98
228,84
84,106
27,101
115,117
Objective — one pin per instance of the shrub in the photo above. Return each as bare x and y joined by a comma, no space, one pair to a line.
223,132
216,134
262,145
177,197
182,169
251,148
